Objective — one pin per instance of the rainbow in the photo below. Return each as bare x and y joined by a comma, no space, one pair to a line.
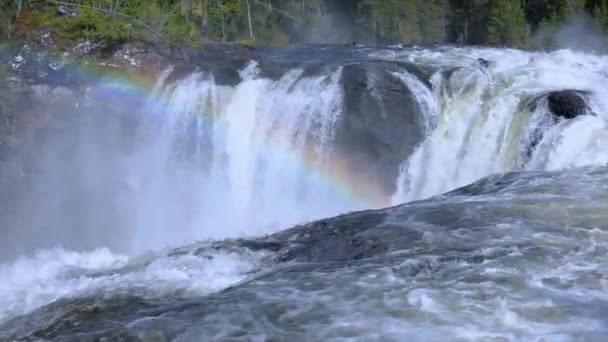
140,85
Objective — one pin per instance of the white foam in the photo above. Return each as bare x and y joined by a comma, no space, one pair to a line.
30,283
482,123
262,146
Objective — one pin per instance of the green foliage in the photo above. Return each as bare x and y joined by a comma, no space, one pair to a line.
266,27
507,23
559,10
434,20
600,12
7,103
4,94
91,24
406,21
469,20
177,28
7,13
246,42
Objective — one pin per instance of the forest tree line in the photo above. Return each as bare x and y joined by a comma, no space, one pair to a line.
279,22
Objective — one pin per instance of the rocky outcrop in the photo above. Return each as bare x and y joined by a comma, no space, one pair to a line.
567,104
563,104
381,123
483,62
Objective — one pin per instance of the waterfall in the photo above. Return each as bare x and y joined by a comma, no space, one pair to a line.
484,123
258,156
192,159
116,209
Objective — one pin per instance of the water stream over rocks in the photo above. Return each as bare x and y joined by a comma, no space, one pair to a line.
159,210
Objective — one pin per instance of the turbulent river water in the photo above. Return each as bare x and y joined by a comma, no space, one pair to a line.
184,234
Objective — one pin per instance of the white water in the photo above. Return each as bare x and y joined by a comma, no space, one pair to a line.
212,162
31,282
225,161
482,125
243,176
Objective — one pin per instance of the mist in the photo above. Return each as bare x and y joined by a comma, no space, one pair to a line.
71,180
331,28
580,32
334,22
114,167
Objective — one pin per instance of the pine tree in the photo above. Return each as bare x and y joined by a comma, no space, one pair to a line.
8,12
469,21
506,23
408,21
600,12
559,11
390,19
433,16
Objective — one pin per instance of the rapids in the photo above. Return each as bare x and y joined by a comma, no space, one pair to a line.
484,125
162,214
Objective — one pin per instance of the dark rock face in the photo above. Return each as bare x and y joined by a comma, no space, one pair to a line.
381,122
564,104
567,103
483,62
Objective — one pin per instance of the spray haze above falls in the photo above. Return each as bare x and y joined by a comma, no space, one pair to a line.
206,155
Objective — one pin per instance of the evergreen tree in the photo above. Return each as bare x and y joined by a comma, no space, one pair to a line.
600,12
507,23
536,12
504,22
389,19
468,21
559,11
433,20
8,11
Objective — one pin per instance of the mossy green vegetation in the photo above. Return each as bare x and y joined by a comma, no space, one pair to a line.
99,21
7,118
89,24
506,24
280,22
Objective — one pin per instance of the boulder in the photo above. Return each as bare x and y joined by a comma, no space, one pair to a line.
483,62
65,11
562,104
381,124
567,104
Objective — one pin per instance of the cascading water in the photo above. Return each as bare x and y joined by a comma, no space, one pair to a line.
484,125
259,156
205,161
515,257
